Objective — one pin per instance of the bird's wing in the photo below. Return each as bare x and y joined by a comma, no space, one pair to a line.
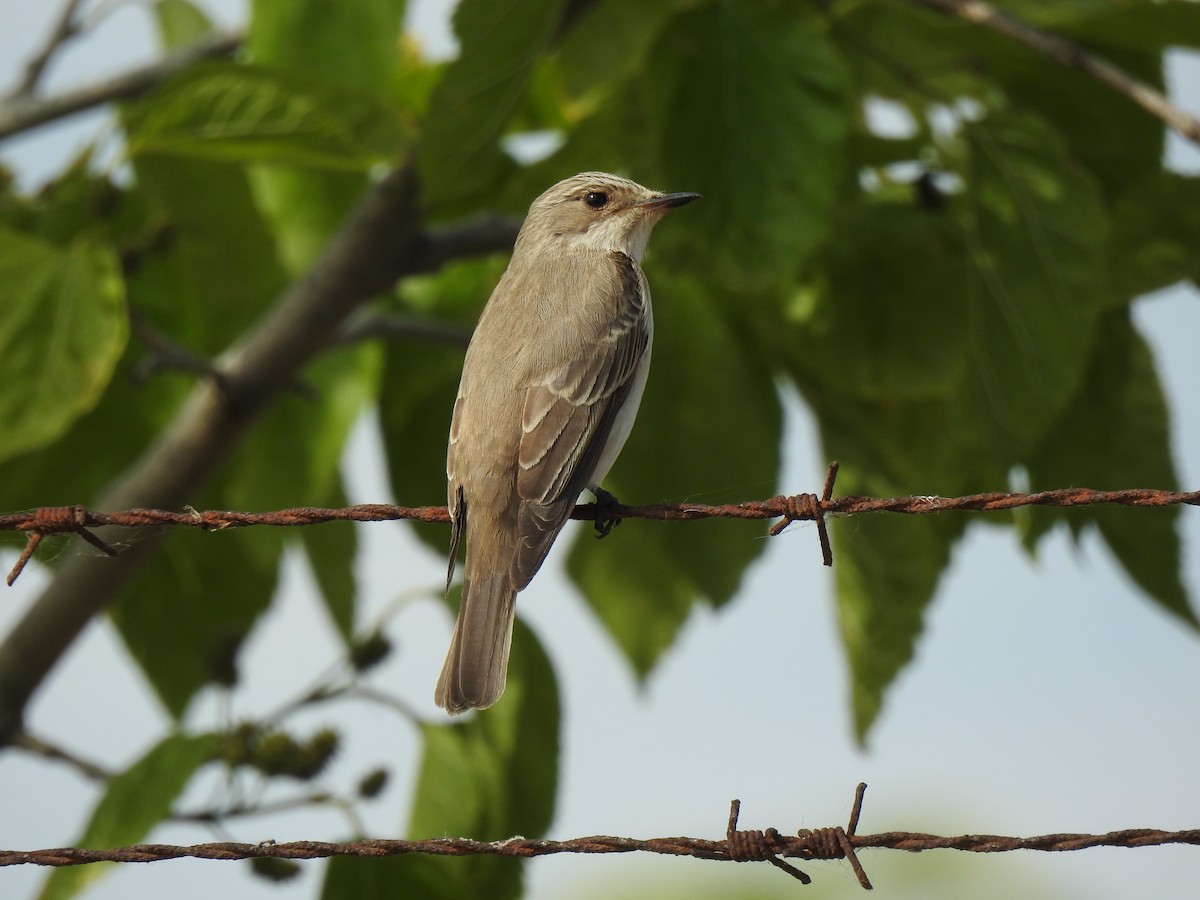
568,416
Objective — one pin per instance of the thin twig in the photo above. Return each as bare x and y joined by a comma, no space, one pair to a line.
165,353
22,113
47,750
248,810
1073,56
65,28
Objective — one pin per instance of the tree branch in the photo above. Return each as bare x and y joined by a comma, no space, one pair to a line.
1073,56
64,29
21,113
379,244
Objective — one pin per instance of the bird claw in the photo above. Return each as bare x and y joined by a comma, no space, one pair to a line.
604,503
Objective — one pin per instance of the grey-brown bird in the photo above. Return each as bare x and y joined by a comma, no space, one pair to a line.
550,387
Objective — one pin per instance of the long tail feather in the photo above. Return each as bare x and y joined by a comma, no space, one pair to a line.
476,667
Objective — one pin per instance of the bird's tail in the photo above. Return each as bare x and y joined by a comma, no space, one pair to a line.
476,667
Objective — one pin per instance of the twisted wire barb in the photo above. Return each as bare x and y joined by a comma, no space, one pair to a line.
738,846
44,521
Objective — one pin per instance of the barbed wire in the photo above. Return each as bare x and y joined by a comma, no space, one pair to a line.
39,523
738,845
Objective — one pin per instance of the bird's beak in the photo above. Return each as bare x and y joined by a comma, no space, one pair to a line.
664,202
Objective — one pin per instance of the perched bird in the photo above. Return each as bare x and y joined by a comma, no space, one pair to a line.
549,391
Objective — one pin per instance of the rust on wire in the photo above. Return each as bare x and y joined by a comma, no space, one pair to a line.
54,520
738,846
758,846
807,507
788,509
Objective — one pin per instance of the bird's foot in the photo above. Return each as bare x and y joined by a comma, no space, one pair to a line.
605,522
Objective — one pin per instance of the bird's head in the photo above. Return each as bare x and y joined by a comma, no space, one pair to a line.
598,211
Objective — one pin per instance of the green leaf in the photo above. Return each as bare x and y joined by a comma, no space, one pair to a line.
1036,233
749,109
238,113
699,437
1156,230
908,53
417,398
998,298
293,455
331,551
193,604
1121,409
489,777
1116,140
419,383
347,47
886,570
1061,13
180,23
221,269
500,40
1157,25
133,803
414,875
589,64
888,310
64,328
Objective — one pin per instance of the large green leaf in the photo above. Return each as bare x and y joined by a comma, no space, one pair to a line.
1061,12
221,267
588,64
1121,409
992,308
908,53
349,45
709,430
292,456
886,569
240,113
414,406
331,551
1155,25
500,40
133,803
1114,138
193,604
888,310
492,776
180,23
1156,233
63,329
346,47
1036,234
749,109
419,383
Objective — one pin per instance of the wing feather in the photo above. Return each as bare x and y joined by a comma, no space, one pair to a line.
567,418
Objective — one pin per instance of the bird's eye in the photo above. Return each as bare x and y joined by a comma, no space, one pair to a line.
596,199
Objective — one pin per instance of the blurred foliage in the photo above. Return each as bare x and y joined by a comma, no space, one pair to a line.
932,233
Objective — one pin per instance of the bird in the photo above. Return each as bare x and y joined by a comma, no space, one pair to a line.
550,387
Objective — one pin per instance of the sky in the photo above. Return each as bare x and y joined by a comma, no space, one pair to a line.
1047,695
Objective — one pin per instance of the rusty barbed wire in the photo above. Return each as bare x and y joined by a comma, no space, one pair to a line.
738,846
44,521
